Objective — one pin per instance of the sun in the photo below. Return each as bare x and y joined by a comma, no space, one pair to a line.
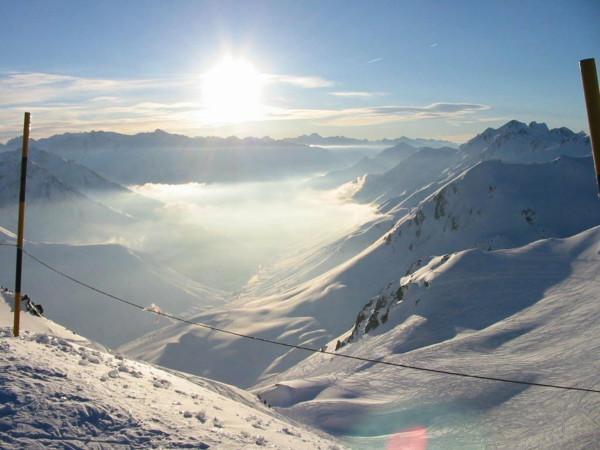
231,92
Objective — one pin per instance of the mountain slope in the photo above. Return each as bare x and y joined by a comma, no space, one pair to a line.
111,267
379,163
416,171
493,205
528,313
58,390
55,211
79,179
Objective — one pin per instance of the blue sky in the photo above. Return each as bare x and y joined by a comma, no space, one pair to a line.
364,69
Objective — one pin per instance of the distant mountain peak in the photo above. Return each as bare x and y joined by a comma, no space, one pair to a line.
517,141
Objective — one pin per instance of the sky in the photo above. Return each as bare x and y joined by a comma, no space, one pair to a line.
366,69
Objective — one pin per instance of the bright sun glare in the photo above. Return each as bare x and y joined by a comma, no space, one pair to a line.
231,92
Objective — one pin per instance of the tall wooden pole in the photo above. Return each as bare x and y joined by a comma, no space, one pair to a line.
21,231
589,77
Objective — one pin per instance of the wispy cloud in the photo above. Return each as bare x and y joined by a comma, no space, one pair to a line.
70,103
307,82
357,94
21,88
374,60
37,87
434,44
379,114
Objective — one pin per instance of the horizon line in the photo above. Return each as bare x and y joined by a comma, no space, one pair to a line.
160,130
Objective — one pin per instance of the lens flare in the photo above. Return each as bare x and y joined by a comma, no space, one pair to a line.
411,439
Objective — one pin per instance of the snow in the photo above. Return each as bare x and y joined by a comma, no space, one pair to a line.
58,390
528,313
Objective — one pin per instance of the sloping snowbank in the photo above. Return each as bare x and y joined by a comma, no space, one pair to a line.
529,313
57,390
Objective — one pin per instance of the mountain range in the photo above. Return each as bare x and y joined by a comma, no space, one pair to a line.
161,157
490,205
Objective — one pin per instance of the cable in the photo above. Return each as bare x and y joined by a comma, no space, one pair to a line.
302,347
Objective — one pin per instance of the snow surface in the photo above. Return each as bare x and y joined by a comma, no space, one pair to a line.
528,313
58,390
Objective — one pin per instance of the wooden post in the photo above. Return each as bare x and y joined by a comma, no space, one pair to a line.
21,230
589,77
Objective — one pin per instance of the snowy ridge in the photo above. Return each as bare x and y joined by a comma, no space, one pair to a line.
55,209
80,179
422,168
58,390
528,313
424,172
518,142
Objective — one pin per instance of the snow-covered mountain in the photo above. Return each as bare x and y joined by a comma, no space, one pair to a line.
413,173
58,390
67,201
78,178
518,142
380,163
424,172
69,172
111,267
529,313
492,205
55,211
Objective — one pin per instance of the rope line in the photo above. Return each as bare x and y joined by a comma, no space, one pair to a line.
302,347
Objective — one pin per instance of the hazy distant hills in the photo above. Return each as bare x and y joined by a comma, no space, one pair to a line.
317,139
380,163
162,157
173,158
